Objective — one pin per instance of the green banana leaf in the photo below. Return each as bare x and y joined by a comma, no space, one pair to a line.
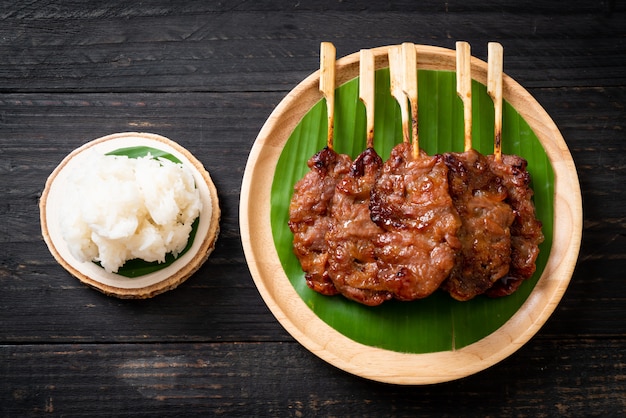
137,267
438,322
141,151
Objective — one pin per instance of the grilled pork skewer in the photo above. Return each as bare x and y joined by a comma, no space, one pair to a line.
464,222
526,232
352,263
410,202
479,198
310,206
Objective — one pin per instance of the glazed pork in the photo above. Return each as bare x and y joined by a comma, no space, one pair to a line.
412,205
353,263
526,234
479,198
310,216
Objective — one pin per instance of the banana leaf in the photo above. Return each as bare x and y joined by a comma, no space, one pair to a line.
137,267
438,322
140,151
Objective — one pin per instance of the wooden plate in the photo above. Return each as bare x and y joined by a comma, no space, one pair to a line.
147,285
383,364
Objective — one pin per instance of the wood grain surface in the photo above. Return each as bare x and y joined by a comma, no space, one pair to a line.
207,75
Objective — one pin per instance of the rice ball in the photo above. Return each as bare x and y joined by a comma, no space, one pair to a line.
119,208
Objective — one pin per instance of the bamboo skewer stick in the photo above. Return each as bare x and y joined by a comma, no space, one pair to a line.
410,88
494,89
464,88
366,91
396,78
327,85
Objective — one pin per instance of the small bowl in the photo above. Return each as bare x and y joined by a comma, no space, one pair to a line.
373,362
151,284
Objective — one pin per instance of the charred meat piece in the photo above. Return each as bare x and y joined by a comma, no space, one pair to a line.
526,234
411,203
309,216
352,264
479,198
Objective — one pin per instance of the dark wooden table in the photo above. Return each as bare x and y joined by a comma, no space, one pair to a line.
207,75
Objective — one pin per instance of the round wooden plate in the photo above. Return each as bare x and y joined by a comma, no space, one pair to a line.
150,284
381,364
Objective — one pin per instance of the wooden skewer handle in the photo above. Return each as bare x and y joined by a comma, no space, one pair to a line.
366,91
494,89
464,88
327,85
410,88
396,78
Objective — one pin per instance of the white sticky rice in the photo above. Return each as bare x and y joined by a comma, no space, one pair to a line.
119,208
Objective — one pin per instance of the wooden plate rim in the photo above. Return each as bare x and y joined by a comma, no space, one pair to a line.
375,363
